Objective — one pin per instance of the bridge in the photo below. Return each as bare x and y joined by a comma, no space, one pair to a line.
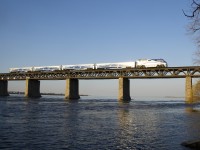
72,79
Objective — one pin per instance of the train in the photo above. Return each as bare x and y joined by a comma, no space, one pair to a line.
140,63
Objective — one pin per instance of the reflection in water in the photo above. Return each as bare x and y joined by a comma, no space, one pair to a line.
193,113
127,127
192,108
137,127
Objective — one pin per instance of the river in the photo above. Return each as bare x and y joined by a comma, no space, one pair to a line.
51,122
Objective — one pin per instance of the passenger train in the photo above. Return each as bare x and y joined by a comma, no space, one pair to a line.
140,63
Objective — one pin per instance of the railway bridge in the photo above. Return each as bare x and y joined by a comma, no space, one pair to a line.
123,75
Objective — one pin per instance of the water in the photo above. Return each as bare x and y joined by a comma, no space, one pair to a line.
54,123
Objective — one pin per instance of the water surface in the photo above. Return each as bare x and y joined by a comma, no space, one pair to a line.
51,122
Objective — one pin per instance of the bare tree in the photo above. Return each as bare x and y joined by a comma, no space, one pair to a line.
196,59
194,15
194,28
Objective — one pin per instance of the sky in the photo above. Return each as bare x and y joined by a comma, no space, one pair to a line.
61,32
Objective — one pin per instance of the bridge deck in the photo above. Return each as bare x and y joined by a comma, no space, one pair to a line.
169,72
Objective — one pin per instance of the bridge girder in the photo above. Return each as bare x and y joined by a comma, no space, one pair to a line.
170,72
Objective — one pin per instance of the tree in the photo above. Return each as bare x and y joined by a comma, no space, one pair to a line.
194,16
194,28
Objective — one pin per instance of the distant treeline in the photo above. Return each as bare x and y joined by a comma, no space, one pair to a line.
16,92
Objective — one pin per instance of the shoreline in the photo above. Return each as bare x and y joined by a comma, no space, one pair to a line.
59,94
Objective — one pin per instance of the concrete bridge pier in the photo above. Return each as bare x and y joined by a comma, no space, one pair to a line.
188,90
4,88
124,89
32,88
72,89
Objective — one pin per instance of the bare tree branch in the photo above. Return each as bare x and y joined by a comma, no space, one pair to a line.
194,27
194,16
193,13
194,2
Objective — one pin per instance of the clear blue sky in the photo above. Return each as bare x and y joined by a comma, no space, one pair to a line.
55,32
